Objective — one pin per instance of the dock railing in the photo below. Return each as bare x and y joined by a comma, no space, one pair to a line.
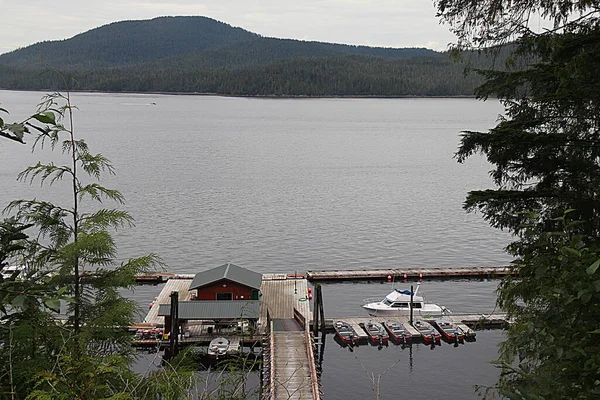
300,318
316,390
271,362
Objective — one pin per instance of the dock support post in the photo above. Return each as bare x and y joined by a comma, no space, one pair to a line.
315,327
319,290
174,330
411,304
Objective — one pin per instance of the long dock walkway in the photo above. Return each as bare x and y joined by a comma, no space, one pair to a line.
291,370
425,273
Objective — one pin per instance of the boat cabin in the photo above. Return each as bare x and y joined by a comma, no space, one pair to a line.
401,299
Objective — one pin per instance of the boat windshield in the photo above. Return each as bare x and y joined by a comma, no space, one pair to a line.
387,302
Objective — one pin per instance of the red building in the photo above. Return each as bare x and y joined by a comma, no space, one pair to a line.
227,282
223,294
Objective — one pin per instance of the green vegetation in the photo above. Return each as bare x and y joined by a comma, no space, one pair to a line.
197,54
82,352
546,156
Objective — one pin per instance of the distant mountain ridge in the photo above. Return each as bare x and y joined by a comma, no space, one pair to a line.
200,54
134,42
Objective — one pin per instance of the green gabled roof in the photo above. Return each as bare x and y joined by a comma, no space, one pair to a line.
227,271
214,309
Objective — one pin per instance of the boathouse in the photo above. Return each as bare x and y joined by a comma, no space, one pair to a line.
227,282
224,295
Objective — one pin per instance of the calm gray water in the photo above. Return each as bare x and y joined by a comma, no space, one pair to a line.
299,184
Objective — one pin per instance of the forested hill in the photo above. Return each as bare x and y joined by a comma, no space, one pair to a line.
199,54
129,42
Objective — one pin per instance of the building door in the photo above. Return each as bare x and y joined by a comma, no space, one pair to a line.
224,296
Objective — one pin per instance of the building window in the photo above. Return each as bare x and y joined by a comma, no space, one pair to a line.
224,296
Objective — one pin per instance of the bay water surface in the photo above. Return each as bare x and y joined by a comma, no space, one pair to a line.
284,185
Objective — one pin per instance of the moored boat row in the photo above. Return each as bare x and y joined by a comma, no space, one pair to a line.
379,333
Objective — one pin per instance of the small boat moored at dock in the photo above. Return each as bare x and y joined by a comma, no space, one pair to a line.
345,333
398,333
428,334
400,302
218,347
449,331
376,332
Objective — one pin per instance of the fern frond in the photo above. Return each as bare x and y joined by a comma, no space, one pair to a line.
93,165
106,218
98,193
45,171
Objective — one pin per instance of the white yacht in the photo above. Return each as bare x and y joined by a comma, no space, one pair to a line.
398,303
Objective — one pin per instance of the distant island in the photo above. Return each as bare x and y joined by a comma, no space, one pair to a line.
202,55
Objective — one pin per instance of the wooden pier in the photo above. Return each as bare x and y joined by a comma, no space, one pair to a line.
293,371
408,273
284,298
285,317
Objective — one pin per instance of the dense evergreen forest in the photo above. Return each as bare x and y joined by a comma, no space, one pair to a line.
201,55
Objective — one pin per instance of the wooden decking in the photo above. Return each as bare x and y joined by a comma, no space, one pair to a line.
293,371
411,273
291,377
280,295
173,285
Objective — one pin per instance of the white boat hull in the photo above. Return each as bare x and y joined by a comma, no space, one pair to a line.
380,310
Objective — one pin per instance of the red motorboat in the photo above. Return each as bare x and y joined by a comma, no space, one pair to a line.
398,333
449,331
428,334
345,333
377,335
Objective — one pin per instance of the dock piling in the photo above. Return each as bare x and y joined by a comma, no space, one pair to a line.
315,327
321,309
174,329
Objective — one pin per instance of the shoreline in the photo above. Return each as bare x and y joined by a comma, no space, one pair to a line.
273,96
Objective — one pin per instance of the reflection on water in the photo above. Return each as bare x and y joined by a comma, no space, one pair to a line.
415,371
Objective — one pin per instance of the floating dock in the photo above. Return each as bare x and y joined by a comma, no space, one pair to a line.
409,273
468,323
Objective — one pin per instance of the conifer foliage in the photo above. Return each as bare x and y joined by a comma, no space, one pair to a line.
545,154
63,333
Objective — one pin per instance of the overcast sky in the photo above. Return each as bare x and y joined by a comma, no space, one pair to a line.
388,23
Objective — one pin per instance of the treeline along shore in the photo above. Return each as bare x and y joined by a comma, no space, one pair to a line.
203,56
